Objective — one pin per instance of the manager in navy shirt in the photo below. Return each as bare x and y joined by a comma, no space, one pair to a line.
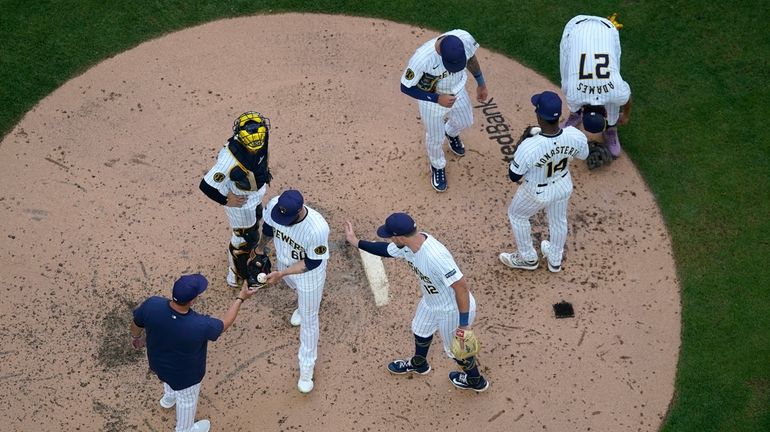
177,337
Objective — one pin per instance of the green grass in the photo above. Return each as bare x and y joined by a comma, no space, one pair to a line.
698,73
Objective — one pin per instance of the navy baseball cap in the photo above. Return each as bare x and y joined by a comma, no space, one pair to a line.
547,105
288,207
397,224
188,287
594,122
452,53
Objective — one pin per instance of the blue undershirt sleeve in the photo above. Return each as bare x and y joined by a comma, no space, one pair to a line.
212,192
310,264
267,230
375,248
514,177
419,94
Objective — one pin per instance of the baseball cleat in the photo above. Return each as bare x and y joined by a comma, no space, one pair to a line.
438,179
461,381
201,426
456,145
296,319
572,120
305,383
545,247
167,401
400,367
611,140
514,260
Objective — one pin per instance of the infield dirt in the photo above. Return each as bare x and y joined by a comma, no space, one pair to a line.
101,209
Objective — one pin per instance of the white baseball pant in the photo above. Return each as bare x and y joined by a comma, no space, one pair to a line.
554,198
309,287
186,405
439,120
426,321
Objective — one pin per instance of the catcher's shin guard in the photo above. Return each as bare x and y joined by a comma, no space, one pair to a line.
240,258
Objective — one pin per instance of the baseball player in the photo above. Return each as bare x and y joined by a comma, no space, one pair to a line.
542,161
590,78
301,238
239,182
177,340
436,77
447,304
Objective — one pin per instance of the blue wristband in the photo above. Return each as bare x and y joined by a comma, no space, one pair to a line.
464,319
479,79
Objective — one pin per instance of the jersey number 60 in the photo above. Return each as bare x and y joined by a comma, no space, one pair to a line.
298,255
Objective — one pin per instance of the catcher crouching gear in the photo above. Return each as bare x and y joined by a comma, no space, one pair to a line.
260,263
238,181
598,155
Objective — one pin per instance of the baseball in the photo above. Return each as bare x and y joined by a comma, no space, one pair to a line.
534,131
261,278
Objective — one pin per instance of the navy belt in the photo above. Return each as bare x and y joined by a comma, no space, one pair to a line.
546,184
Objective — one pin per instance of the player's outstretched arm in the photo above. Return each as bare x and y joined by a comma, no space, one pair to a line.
374,248
350,234
232,312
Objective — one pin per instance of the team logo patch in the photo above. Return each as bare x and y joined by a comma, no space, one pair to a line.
450,274
218,177
409,74
320,250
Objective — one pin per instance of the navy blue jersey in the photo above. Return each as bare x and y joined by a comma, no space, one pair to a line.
176,343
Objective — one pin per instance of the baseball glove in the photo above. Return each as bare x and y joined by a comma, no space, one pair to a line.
260,263
528,132
598,155
465,345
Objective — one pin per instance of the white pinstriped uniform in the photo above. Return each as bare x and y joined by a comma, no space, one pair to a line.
437,271
590,66
544,163
238,217
186,405
310,238
428,73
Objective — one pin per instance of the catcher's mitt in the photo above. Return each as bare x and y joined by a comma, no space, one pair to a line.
260,263
598,155
465,345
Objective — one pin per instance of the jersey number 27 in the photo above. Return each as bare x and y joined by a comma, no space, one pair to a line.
600,67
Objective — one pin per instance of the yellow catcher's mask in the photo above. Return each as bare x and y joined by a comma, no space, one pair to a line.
251,129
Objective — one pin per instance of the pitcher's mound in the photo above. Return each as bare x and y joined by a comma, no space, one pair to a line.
102,209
